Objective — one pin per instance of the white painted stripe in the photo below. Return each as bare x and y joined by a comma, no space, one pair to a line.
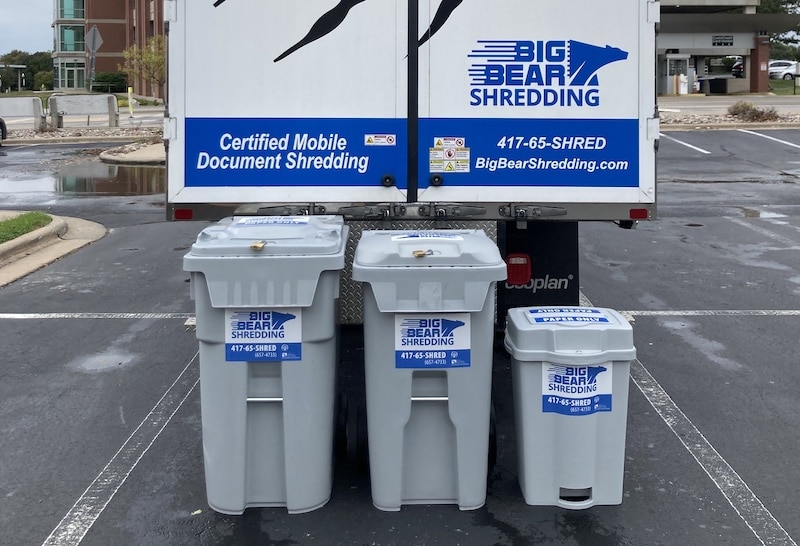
87,509
755,515
136,316
682,143
190,319
749,507
764,231
716,313
749,132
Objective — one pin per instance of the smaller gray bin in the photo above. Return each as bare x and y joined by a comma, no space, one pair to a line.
570,373
429,302
265,290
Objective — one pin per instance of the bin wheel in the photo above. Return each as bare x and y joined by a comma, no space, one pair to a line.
492,439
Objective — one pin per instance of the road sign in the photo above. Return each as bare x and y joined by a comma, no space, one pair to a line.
93,39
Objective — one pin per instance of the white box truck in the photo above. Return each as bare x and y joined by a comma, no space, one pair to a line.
405,109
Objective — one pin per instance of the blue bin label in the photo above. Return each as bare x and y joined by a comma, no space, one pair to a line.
567,315
576,390
263,335
432,341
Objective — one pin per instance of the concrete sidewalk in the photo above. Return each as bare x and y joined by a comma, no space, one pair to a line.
41,247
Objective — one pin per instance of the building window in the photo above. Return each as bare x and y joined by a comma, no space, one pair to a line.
71,38
71,9
70,75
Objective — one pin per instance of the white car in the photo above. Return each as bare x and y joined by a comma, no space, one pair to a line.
782,70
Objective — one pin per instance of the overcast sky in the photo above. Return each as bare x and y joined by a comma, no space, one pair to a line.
25,25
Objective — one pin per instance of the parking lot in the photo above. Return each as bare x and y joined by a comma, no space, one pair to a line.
100,413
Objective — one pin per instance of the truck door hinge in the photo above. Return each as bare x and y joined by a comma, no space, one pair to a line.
654,12
170,128
653,128
373,212
170,11
523,213
450,211
289,210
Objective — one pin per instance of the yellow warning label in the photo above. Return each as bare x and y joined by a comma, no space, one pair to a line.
449,167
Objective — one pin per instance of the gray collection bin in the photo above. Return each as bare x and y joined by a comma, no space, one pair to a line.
570,373
265,290
429,303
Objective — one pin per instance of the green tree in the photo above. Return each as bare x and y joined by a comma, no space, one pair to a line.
34,63
43,80
148,62
784,45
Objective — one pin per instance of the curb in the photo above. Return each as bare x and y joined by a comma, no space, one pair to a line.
11,250
154,154
70,140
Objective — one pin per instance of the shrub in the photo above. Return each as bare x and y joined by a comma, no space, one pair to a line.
747,111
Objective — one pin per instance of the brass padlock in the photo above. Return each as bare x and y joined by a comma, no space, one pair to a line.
258,245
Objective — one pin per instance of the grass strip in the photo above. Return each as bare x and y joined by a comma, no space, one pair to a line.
12,228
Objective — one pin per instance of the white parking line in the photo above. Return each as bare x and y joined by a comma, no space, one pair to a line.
83,514
682,143
717,313
765,232
749,132
755,515
137,316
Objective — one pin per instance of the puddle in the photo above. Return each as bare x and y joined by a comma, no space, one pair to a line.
93,178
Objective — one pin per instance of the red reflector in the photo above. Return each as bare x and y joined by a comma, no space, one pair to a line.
518,267
640,214
183,214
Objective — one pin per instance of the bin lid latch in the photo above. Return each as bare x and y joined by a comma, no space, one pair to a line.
422,253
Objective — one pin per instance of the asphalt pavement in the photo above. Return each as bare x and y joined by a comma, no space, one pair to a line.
723,397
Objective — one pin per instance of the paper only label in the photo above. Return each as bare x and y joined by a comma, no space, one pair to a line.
567,315
430,341
576,390
263,336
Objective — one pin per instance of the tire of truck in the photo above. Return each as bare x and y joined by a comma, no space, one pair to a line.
3,131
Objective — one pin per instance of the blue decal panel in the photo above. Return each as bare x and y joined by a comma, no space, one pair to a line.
576,390
531,152
253,152
433,341
263,336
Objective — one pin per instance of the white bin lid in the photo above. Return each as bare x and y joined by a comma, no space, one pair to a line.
271,236
426,248
568,335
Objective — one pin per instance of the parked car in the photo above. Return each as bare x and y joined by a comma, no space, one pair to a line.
737,70
3,131
782,70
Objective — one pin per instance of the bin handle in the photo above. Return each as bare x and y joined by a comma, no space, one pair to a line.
429,398
265,399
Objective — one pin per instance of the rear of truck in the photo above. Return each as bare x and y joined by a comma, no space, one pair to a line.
409,110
